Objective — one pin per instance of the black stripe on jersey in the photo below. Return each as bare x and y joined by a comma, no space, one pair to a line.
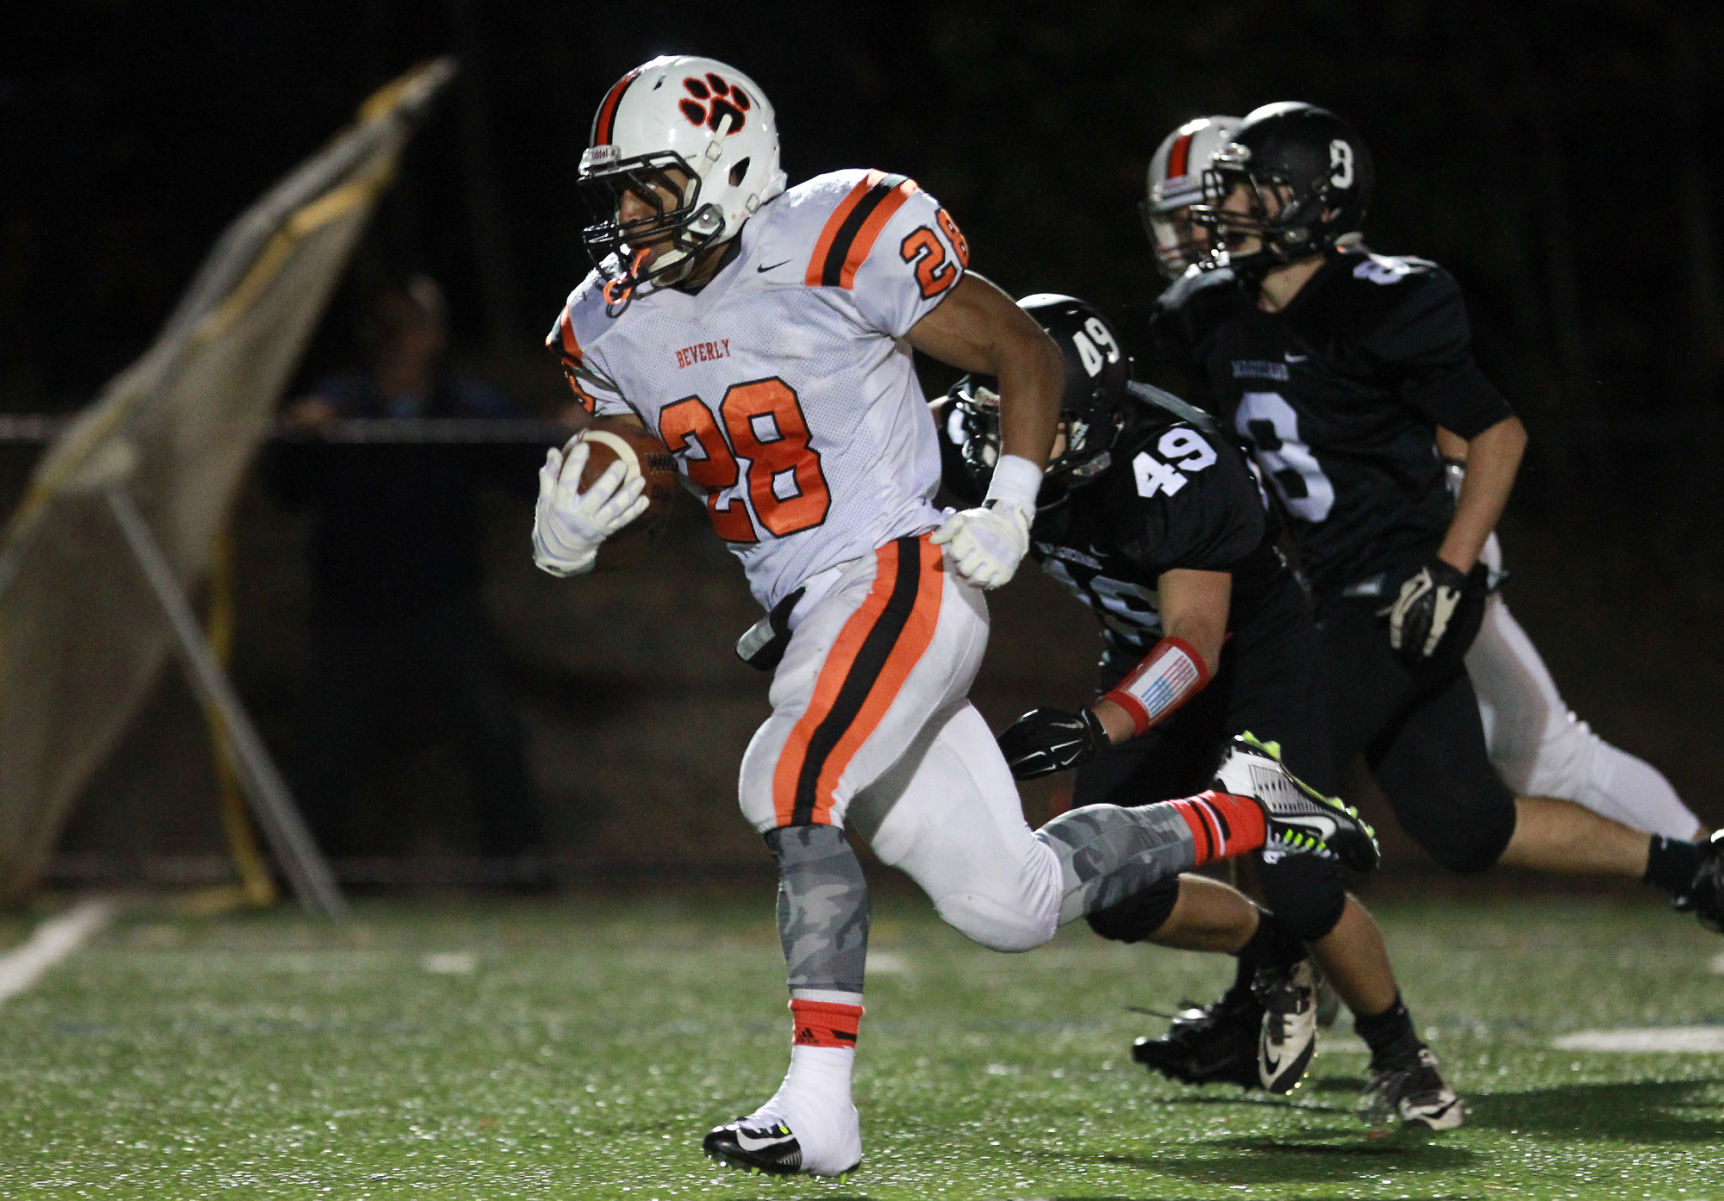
831,272
863,674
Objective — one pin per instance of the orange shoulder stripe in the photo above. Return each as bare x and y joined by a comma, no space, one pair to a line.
849,232
561,340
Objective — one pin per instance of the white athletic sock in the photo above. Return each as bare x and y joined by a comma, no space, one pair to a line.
814,1100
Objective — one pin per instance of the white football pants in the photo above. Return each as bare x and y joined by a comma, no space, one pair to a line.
871,724
1540,748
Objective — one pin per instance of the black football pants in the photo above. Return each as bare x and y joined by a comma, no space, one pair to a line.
1421,737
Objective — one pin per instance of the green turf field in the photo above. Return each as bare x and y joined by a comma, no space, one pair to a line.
579,1047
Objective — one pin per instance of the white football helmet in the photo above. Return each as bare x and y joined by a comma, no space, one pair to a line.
1175,183
694,115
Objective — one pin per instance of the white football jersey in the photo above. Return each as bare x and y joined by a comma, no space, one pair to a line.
784,386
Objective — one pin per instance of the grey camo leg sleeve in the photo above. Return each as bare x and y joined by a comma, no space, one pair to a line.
822,908
1107,853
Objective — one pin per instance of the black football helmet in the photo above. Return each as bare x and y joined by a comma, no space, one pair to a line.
1097,370
1313,165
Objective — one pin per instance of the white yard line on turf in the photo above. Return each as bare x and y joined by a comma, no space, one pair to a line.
51,942
1718,965
1702,1040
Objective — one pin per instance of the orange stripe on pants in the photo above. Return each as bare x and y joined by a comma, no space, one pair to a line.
862,676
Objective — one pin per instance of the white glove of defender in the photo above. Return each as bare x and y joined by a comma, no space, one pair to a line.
568,524
987,544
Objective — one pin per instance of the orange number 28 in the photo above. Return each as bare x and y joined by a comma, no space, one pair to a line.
765,426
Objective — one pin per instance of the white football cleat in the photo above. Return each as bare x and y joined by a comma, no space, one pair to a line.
1289,1034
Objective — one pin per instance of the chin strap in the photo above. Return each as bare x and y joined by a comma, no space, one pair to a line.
616,297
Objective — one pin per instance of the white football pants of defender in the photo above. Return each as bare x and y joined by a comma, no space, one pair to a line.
1540,748
929,787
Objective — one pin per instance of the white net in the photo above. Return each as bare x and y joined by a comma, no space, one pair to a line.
82,637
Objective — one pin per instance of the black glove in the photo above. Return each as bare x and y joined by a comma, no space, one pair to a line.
1044,741
1438,613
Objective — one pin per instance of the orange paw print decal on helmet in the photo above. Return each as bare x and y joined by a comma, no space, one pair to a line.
712,100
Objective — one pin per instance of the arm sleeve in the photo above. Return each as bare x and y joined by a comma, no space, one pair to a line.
1424,344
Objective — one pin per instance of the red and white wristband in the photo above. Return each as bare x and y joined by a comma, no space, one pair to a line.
1172,674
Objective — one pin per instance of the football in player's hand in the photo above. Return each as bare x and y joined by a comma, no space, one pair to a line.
609,439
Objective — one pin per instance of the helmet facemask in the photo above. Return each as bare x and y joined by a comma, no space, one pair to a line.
1082,445
626,251
1173,234
973,425
1298,227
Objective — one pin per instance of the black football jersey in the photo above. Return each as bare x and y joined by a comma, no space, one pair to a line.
1339,396
1183,321
1173,496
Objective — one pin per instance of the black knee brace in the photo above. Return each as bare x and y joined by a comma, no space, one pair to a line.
1139,915
1471,851
1306,894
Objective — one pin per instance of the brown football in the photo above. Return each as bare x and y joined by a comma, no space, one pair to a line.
613,438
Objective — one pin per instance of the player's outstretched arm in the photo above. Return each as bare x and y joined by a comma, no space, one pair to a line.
1194,607
979,329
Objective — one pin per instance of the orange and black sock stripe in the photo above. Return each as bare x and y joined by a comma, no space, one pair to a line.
851,229
1222,825
864,672
824,1024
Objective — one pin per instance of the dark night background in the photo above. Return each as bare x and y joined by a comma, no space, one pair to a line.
1560,159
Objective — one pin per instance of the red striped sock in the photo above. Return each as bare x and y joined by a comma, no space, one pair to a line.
1222,825
824,1023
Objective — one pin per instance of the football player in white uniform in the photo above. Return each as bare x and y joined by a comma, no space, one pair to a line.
764,333
1537,744
1175,184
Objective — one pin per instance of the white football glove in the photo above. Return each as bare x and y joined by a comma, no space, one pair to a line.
986,544
568,524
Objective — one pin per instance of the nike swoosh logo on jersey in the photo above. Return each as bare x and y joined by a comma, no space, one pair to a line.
771,266
1294,358
748,1142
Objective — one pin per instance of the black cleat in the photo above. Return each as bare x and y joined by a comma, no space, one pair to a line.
768,1147
1300,820
1705,896
1208,1044
1412,1090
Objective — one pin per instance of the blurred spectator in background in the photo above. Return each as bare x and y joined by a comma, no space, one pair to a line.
403,651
